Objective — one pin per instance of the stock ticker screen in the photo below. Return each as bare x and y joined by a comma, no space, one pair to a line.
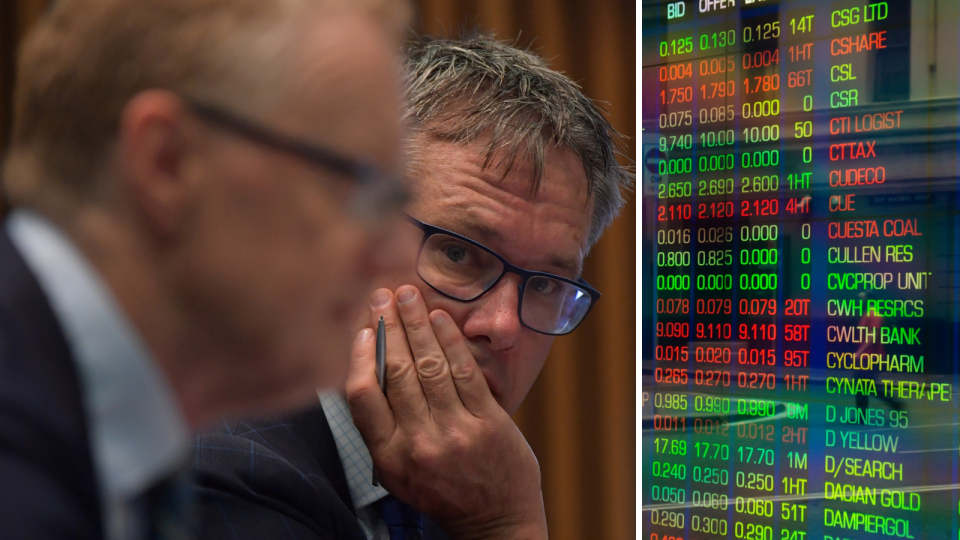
801,246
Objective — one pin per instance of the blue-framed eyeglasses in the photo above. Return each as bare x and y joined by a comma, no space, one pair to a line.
376,193
463,269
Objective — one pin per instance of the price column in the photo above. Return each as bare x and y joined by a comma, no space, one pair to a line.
669,466
757,256
713,287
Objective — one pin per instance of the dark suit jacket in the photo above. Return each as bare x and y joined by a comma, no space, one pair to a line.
277,479
47,483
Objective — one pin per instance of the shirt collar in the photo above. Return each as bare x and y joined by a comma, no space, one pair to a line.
137,431
356,460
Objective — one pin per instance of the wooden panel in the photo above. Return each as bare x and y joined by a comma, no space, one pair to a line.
608,69
439,17
498,17
8,40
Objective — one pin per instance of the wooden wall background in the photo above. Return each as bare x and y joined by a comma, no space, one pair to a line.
580,416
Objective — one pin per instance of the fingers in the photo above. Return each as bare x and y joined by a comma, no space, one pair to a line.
470,384
403,385
370,409
429,357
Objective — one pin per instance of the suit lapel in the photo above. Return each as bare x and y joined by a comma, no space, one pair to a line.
285,455
39,379
313,428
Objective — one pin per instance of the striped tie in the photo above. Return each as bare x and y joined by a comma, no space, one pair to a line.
403,522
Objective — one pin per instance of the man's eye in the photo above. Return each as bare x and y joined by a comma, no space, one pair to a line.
456,253
543,285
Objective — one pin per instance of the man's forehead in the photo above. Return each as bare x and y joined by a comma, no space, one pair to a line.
496,206
518,174
471,225
510,169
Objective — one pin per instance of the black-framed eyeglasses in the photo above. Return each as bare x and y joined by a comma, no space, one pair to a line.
464,269
376,192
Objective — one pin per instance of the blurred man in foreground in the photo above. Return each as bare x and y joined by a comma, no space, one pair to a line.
182,173
515,178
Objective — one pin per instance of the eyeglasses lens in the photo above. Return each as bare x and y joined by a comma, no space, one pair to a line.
553,306
457,268
464,271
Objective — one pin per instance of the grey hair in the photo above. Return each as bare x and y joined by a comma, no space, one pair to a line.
460,89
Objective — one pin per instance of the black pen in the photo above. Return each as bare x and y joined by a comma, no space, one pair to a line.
381,370
382,356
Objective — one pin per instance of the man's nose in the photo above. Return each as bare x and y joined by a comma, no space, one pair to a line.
496,318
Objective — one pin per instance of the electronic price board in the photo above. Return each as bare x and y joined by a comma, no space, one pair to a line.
801,247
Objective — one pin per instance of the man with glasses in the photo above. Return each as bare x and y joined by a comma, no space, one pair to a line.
160,265
515,177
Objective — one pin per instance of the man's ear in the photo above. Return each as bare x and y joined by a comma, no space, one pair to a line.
153,148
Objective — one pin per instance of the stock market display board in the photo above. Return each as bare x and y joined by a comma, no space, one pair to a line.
801,294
